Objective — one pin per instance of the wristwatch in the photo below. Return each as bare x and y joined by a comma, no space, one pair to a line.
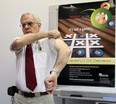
54,70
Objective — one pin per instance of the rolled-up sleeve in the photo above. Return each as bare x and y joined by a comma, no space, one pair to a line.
11,48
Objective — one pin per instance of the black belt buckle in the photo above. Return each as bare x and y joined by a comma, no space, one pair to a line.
28,94
43,93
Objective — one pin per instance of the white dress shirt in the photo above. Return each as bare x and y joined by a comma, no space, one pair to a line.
44,54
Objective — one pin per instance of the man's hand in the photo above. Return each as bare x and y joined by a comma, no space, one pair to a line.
51,82
54,34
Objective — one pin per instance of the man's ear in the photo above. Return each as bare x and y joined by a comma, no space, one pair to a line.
39,24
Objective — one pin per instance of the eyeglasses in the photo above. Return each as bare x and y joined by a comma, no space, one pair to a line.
28,24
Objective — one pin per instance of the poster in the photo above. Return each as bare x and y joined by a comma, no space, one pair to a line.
89,31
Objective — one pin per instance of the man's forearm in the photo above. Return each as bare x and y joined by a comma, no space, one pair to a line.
63,55
31,37
27,39
61,60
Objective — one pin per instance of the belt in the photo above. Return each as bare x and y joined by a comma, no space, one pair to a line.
30,94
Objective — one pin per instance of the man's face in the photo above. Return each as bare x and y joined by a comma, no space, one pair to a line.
29,25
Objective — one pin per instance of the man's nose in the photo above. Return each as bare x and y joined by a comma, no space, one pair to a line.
26,26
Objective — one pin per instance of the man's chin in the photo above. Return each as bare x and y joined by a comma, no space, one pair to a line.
28,32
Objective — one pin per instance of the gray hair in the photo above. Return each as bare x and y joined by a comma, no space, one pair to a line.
34,17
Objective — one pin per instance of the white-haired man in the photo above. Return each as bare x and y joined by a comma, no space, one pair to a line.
50,55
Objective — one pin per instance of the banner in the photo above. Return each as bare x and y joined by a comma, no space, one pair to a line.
89,31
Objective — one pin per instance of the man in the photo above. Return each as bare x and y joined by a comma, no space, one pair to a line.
50,55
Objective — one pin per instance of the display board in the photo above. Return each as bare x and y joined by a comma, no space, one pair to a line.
88,29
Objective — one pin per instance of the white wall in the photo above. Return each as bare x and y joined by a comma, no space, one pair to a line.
10,12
